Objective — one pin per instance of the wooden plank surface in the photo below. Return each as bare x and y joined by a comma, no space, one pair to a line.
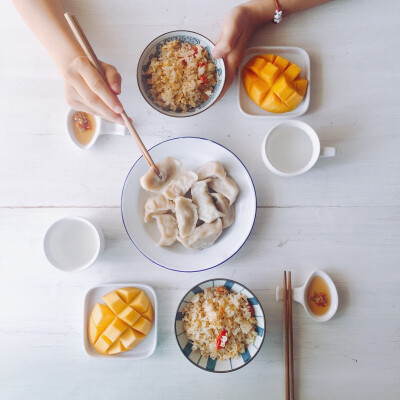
343,216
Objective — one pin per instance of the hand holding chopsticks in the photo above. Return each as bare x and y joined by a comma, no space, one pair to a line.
288,336
90,54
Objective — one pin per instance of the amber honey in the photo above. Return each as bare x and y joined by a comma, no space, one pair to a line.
318,296
84,127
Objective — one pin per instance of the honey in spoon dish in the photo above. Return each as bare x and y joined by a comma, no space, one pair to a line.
318,296
84,127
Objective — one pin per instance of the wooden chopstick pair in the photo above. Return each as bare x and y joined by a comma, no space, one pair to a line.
288,336
90,54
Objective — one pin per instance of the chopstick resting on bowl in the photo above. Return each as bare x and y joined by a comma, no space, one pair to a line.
288,336
90,54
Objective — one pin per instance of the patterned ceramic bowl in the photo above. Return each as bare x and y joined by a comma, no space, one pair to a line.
208,364
153,50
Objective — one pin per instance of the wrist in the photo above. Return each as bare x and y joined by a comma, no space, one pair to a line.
261,12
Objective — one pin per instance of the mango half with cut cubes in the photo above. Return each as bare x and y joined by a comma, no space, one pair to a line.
273,83
122,323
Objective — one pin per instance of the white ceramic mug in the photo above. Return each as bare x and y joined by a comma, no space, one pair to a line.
292,148
103,127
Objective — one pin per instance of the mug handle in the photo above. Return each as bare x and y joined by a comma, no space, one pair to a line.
327,152
110,128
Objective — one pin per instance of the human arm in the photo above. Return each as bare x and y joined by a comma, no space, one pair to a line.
85,90
240,24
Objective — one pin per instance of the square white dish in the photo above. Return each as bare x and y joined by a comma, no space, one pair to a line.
94,295
295,55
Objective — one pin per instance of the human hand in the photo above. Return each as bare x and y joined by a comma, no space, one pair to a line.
237,29
86,91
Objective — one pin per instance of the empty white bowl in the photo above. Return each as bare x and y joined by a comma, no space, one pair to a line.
73,244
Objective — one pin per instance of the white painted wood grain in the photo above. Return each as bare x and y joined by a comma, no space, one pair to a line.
343,216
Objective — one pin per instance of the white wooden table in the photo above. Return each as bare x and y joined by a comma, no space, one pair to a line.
343,216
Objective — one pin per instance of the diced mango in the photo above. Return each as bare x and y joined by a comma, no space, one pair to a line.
131,338
270,73
102,315
282,88
300,85
281,63
115,329
128,294
116,348
140,302
292,72
142,325
273,84
103,344
248,77
123,322
258,90
114,302
256,64
268,57
129,315
148,314
273,103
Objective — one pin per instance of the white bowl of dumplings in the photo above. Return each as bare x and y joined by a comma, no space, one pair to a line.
201,211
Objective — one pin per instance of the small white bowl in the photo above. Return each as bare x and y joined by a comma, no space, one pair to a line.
73,244
153,49
103,127
300,295
94,295
295,55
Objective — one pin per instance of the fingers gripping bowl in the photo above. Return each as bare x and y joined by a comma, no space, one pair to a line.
177,75
193,153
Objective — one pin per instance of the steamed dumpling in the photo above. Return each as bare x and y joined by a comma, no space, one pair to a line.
203,200
157,204
168,228
203,236
211,169
227,209
226,186
180,185
186,216
168,168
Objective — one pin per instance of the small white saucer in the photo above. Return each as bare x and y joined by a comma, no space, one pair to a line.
73,244
103,127
300,295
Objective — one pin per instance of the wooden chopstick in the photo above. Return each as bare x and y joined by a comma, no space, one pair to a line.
288,335
90,54
290,327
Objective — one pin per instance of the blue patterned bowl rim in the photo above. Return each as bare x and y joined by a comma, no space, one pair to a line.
185,36
229,283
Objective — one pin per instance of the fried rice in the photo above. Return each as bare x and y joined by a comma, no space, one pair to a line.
181,77
220,324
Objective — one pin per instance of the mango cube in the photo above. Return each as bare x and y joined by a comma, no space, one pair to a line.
115,302
142,325
268,57
281,63
270,73
131,338
258,90
248,78
300,85
292,72
128,294
256,64
148,314
140,302
129,315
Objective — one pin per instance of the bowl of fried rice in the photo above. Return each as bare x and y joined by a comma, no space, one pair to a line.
178,76
220,325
